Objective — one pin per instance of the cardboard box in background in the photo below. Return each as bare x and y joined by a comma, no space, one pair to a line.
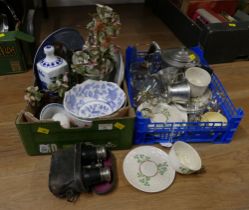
13,57
188,7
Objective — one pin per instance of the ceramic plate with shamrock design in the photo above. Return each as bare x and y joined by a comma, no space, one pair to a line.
147,168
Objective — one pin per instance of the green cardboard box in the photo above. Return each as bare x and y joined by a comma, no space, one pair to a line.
45,137
12,53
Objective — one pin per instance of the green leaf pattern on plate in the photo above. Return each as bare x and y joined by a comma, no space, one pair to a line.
141,158
185,170
162,168
145,180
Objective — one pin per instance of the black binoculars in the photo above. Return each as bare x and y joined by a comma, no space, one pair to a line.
93,171
81,168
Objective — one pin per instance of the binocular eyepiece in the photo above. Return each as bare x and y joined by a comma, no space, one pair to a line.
91,155
93,176
80,169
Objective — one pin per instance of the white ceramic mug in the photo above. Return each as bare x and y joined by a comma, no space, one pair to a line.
199,79
184,158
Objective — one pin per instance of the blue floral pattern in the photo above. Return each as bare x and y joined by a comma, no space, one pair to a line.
52,64
93,99
94,109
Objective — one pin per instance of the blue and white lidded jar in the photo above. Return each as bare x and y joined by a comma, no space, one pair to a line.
50,67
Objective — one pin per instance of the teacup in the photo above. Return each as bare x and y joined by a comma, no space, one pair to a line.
184,158
214,117
199,79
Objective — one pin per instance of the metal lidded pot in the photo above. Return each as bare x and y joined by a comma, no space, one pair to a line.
180,58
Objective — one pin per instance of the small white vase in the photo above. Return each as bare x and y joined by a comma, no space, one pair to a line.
50,67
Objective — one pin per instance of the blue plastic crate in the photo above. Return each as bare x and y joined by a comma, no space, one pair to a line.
147,132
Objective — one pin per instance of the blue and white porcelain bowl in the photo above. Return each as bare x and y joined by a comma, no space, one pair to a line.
93,99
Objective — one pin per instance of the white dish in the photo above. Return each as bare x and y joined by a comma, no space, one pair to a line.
162,113
92,99
146,109
147,168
